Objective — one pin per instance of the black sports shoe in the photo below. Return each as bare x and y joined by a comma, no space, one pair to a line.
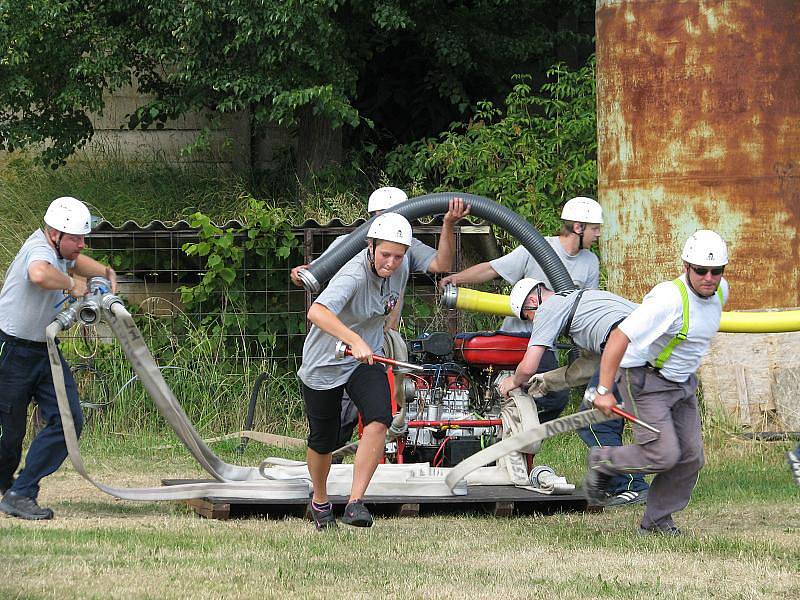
670,530
357,515
23,507
323,516
627,498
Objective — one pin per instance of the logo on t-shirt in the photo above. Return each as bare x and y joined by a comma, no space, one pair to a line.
391,302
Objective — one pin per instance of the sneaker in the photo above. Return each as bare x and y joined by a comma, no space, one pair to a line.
595,485
671,530
793,458
323,516
23,507
627,498
357,515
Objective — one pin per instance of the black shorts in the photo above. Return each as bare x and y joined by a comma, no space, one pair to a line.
368,387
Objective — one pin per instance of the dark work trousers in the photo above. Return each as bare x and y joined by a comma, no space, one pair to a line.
609,433
24,376
675,455
551,405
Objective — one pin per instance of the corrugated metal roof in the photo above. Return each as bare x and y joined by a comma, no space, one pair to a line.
183,225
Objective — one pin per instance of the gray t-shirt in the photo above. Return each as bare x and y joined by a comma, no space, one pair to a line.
597,312
583,268
26,309
418,257
362,300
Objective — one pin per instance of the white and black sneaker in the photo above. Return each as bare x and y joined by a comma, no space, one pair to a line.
793,458
627,498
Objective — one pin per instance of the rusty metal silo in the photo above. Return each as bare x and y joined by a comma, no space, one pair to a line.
699,127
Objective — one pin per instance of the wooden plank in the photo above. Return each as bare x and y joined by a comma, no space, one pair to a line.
210,510
409,509
503,509
501,501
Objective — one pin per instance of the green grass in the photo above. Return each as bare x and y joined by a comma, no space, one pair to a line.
742,529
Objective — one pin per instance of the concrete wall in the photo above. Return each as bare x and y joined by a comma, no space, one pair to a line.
230,141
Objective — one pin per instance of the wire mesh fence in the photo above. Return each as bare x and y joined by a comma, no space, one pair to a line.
226,342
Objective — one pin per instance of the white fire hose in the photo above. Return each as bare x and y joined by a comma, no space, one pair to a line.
232,481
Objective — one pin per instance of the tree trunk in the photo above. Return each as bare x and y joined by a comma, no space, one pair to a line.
319,145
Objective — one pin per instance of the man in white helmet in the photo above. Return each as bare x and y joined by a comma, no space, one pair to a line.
587,317
652,357
48,266
353,308
582,220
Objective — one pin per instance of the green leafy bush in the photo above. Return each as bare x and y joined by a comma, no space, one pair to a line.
238,262
531,155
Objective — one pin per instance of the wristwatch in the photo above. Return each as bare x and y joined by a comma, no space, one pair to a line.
601,390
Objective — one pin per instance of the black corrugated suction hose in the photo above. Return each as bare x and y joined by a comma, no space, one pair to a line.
431,204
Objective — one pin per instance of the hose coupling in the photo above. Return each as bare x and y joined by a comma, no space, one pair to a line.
310,282
67,317
449,296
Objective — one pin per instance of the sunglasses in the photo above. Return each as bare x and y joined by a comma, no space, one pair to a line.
703,271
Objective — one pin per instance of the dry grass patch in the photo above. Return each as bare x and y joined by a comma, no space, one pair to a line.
101,548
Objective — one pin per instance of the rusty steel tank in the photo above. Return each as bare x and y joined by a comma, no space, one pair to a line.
698,109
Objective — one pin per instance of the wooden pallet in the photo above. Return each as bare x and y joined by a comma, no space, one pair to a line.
497,500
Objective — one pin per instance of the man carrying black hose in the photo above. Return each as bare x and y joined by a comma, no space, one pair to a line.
353,308
48,266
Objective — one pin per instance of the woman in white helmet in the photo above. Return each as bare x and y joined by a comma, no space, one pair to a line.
652,357
420,257
353,308
48,266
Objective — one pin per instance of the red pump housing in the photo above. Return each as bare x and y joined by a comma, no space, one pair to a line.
497,349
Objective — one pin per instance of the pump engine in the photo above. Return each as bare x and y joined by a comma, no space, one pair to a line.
453,408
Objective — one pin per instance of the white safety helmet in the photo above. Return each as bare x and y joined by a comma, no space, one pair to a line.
68,215
520,292
391,227
705,248
582,210
385,198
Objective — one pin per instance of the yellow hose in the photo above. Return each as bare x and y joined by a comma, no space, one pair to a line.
732,322
483,302
779,321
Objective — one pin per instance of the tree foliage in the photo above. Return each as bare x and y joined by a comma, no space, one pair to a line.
530,156
350,61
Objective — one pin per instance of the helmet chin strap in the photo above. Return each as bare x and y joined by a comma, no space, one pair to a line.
371,256
580,236
57,243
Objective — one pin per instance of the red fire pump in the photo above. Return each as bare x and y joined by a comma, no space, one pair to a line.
452,407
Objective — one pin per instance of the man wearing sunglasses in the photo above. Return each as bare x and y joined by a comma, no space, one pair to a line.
652,357
587,317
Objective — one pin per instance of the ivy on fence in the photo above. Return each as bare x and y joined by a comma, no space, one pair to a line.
241,261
